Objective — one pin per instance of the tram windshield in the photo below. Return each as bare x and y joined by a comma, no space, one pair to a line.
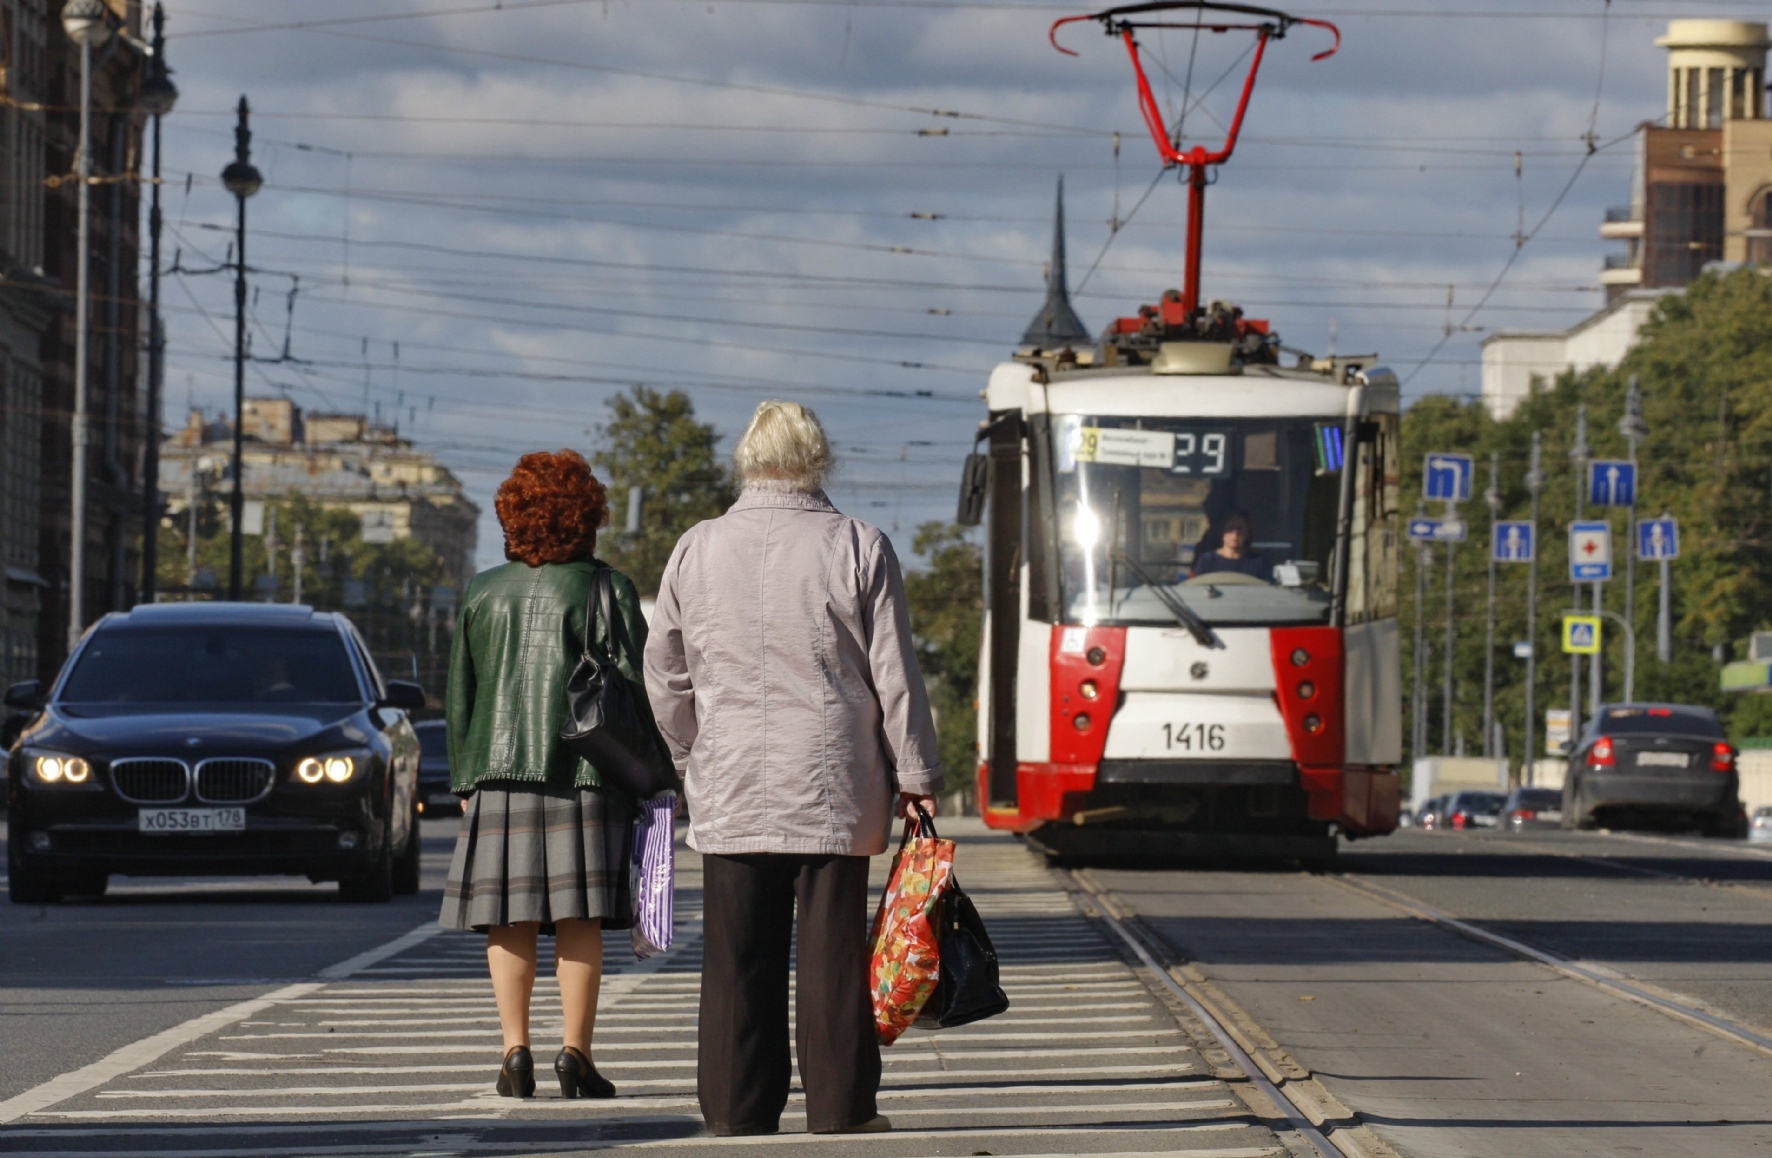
1235,518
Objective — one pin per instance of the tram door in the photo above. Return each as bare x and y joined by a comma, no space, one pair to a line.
1002,601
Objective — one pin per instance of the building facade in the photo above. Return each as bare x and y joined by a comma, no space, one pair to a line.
1701,192
339,461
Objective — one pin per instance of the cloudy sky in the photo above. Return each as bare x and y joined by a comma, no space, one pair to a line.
497,215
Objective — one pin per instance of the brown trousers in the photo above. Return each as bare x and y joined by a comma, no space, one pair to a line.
742,1064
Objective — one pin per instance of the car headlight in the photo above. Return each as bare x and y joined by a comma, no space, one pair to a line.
333,769
54,768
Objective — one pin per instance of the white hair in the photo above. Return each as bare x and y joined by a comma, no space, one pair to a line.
784,444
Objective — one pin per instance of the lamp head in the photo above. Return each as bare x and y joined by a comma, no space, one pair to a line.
157,94
87,22
242,178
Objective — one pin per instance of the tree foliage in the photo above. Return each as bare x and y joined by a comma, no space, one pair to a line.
1704,361
947,611
652,440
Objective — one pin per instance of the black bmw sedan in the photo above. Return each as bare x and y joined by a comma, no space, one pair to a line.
189,738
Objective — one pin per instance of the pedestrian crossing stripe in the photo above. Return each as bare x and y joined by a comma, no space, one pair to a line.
1581,634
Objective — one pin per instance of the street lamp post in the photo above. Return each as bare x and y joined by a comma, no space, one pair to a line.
1492,497
87,23
1534,483
1578,459
1634,429
156,97
242,180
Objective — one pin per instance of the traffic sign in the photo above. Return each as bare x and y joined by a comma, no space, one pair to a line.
1658,539
1590,552
1448,478
1437,530
1522,649
1581,634
1611,483
1513,541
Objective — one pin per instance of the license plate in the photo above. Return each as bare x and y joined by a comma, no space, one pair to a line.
170,820
1662,759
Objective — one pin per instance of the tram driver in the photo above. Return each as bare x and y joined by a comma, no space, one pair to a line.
1234,551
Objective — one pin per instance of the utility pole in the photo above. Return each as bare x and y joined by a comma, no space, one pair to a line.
242,180
1534,483
1634,429
87,23
1418,701
1451,639
156,97
1578,458
1492,497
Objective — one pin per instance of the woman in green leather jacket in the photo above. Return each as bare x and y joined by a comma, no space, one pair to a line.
543,847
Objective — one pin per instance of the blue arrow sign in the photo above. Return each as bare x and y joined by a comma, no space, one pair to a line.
1658,539
1448,478
1437,530
1611,483
1513,542
1590,552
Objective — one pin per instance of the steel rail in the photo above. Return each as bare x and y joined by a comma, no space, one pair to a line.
1295,1115
1680,1010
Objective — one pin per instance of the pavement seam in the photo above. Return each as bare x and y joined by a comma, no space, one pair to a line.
1675,1005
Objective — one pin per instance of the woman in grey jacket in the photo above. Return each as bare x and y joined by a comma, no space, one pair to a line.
781,671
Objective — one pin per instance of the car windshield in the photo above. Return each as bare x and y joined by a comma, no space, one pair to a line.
213,665
1234,518
1661,721
433,738
1484,802
1538,798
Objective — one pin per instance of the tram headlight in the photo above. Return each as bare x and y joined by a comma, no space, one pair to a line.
1313,723
1306,690
1081,721
1090,689
1300,657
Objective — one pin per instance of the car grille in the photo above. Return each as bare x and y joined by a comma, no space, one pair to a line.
232,781
148,781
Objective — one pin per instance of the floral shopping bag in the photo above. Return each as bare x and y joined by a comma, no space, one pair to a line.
907,954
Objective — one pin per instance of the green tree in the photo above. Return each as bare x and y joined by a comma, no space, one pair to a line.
652,440
1704,361
947,614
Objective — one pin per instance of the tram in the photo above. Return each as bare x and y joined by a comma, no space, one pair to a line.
1191,549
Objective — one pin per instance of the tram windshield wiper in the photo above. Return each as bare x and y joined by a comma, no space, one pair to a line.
1184,614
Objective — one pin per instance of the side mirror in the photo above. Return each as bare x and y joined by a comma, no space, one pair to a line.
404,695
26,695
975,477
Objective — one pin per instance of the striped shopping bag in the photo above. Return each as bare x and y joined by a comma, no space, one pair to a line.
655,875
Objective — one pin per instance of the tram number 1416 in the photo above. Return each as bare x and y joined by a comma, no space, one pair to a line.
1193,737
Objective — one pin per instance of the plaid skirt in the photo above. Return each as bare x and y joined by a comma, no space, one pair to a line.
528,852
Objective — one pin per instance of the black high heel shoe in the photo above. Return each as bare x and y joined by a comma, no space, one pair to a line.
579,1078
516,1077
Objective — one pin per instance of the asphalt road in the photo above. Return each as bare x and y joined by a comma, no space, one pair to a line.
1446,1045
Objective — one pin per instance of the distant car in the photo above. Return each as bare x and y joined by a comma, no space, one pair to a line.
1665,766
1759,826
1532,808
1433,813
191,738
1472,809
434,797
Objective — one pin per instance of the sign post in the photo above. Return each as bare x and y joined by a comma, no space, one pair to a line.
1534,483
1447,478
1658,540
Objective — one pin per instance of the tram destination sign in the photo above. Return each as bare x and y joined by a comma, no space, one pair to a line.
1201,452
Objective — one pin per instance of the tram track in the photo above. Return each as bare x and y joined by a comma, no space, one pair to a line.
1304,1113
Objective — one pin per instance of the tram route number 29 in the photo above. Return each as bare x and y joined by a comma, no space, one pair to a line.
1193,737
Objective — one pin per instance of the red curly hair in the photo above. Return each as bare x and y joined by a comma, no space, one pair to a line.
550,508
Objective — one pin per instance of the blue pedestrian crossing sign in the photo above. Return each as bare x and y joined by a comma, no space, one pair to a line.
1448,478
1581,634
1513,542
1425,530
1590,552
1611,483
1658,539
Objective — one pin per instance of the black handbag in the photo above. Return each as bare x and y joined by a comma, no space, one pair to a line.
967,988
604,723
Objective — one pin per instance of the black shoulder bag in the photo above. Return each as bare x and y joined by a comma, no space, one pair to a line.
603,722
967,988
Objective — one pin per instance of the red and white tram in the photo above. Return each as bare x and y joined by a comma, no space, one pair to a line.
1190,641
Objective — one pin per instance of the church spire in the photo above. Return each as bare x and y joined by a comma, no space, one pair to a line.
1057,323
